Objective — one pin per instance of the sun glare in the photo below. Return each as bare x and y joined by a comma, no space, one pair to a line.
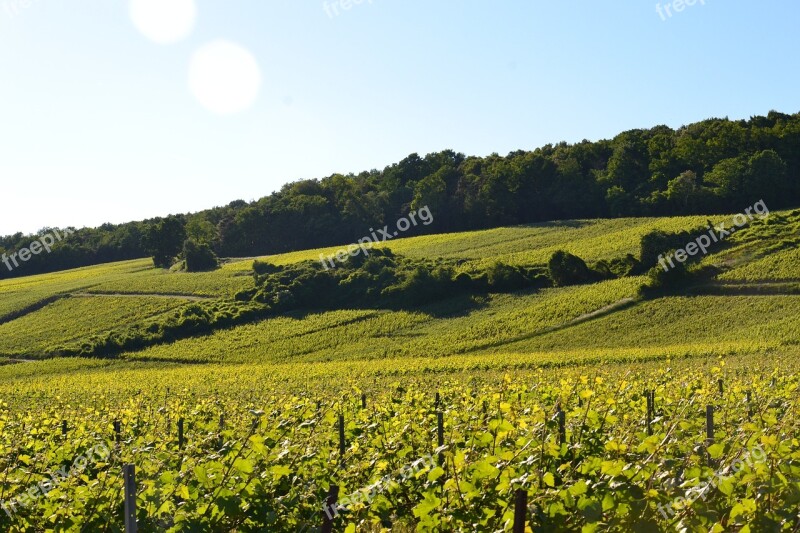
164,21
224,77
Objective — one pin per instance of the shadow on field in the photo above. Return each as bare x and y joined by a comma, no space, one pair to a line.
574,224
459,306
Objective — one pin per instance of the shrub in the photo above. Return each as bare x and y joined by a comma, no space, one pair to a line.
567,269
198,256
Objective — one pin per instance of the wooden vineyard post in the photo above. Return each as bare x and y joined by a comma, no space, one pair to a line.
64,428
180,433
440,434
363,401
129,479
749,405
709,429
342,443
221,429
710,423
649,399
438,400
330,509
721,387
440,428
562,426
117,430
520,510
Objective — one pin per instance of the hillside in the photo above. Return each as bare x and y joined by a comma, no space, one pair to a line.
55,310
517,356
41,315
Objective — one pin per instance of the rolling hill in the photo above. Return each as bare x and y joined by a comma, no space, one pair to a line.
505,362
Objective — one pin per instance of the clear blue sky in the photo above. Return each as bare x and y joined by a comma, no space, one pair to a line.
98,122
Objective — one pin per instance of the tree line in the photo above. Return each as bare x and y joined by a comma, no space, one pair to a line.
712,166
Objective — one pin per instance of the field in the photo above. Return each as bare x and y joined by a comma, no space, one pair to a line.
260,403
534,244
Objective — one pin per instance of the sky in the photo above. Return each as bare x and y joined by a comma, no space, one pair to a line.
114,110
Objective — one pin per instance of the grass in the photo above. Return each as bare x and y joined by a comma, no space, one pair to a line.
517,325
435,331
755,321
533,244
19,293
783,265
70,320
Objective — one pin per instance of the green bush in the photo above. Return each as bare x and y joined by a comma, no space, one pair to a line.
567,269
199,257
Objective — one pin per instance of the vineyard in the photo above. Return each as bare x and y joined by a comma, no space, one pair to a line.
260,448
590,407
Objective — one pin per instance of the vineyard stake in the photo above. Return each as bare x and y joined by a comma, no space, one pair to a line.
710,422
562,426
520,511
649,399
64,428
363,401
440,427
330,509
721,387
438,399
129,478
180,433
709,430
440,435
117,429
342,444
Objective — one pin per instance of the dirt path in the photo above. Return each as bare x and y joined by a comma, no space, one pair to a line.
187,297
597,313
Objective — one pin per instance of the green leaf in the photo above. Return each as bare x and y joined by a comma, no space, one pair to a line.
579,488
279,471
726,486
716,450
436,473
244,466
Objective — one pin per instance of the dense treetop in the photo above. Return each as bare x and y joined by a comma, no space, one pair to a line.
713,166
